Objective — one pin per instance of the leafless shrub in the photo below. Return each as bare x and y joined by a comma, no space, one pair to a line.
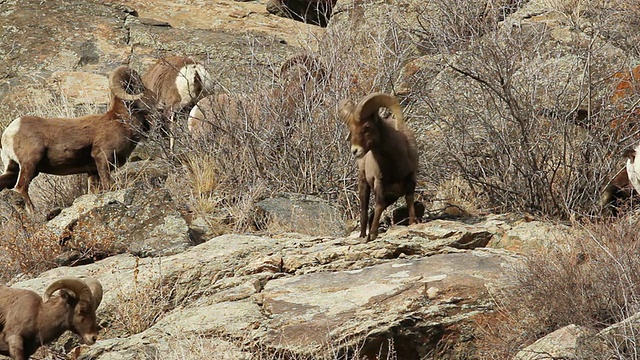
25,246
525,125
591,278
618,21
447,26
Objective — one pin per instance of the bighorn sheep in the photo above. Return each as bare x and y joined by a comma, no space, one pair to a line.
92,144
616,192
179,83
298,75
633,167
315,12
386,154
27,322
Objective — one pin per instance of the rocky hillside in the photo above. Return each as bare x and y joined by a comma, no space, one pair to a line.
511,105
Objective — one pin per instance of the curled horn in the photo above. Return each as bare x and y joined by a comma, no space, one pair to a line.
310,63
345,109
371,103
123,80
96,291
76,285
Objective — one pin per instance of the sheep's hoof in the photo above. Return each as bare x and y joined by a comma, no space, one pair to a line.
363,239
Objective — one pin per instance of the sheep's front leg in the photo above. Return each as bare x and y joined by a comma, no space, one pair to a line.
104,164
16,347
410,197
364,192
380,205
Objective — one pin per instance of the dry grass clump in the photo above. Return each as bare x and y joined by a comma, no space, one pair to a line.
140,306
25,246
591,279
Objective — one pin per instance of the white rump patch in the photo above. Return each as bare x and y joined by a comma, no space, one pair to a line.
8,151
633,169
185,83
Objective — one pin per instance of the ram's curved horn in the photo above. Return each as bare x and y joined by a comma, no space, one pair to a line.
345,109
126,84
77,286
371,103
96,291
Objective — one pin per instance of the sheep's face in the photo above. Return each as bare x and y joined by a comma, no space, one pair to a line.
363,134
84,322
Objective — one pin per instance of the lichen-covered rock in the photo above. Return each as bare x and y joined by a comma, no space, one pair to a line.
299,213
141,222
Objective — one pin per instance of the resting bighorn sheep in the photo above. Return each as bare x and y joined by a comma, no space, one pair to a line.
298,75
92,144
386,154
28,322
179,83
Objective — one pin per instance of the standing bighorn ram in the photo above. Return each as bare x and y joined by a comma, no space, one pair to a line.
27,322
92,144
386,153
179,83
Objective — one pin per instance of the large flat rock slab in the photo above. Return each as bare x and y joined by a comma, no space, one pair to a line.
369,306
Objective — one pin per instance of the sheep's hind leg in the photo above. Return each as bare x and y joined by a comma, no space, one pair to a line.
409,197
27,173
10,176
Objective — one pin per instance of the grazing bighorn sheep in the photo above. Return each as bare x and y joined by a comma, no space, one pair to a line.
387,156
92,144
179,83
616,192
299,76
28,322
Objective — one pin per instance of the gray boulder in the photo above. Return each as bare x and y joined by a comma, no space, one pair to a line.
305,214
141,222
